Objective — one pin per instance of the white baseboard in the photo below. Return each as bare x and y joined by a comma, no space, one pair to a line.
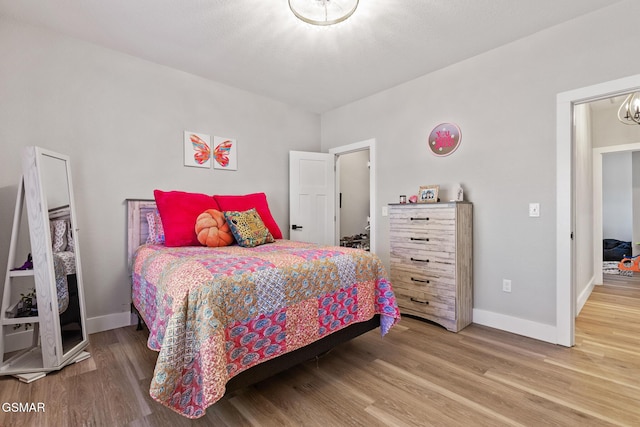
584,295
22,339
527,328
110,321
511,324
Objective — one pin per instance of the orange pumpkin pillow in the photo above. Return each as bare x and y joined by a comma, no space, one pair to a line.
212,229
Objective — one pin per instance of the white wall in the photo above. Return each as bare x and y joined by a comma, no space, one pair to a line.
505,103
583,236
608,131
121,120
617,206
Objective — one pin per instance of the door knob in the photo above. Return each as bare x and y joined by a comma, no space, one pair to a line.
296,227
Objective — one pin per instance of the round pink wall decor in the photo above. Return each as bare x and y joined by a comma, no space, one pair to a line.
444,139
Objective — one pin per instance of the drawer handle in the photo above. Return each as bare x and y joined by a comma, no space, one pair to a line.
419,219
419,280
422,239
419,301
419,260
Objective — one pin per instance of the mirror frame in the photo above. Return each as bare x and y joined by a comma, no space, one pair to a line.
51,343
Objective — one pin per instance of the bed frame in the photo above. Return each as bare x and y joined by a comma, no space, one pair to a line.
61,212
137,233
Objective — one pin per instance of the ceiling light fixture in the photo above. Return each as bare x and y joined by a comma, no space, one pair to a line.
323,12
629,111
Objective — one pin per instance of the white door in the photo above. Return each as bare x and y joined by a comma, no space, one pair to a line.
312,197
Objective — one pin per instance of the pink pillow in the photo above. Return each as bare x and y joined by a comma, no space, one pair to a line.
179,211
248,201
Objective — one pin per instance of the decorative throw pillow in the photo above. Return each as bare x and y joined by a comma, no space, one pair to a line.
156,231
178,211
212,229
248,201
58,235
248,229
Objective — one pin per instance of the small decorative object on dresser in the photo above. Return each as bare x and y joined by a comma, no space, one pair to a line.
428,194
459,193
432,261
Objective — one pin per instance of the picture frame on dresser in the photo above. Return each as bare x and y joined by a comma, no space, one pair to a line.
428,194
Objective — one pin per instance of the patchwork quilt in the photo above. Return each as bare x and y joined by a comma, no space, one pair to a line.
62,286
214,312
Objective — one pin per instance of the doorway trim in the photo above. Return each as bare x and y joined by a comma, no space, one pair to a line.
565,193
369,144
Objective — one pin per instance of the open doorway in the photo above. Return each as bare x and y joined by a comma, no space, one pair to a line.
616,170
602,192
352,209
355,180
566,197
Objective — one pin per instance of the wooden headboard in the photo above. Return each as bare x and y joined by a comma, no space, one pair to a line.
61,212
137,227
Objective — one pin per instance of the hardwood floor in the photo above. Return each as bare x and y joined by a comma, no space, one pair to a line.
418,375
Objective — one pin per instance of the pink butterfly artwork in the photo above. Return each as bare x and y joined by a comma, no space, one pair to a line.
222,151
202,150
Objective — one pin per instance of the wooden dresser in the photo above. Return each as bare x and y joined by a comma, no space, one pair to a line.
432,261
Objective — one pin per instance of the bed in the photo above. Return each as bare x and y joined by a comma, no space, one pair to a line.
224,318
64,258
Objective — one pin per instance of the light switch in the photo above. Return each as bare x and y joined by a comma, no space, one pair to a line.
534,209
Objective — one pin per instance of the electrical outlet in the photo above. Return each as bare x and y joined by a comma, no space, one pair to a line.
534,209
385,211
506,285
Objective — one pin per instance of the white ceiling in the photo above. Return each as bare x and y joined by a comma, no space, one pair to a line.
259,46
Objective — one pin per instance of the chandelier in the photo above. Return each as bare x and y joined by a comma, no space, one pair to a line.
323,12
629,111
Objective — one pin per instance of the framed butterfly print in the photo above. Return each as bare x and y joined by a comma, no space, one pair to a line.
197,150
225,153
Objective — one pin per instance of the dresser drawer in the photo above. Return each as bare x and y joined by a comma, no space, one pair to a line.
426,226
416,218
423,240
418,214
436,284
418,303
429,262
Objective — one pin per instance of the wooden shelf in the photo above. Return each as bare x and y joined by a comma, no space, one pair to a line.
20,320
27,361
21,273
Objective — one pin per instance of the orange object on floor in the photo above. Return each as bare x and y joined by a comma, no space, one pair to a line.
629,264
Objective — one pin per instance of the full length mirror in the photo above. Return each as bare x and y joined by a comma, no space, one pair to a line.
54,303
55,246
56,188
